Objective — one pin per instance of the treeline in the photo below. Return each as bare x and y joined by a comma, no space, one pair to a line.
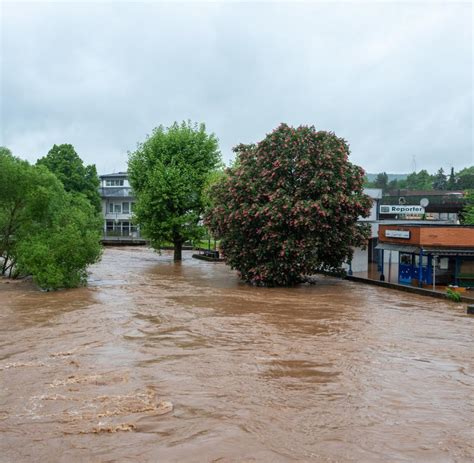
422,180
49,218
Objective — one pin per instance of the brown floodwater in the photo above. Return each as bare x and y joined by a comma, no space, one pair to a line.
335,372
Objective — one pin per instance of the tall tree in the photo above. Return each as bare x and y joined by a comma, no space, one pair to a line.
66,164
290,207
467,216
381,181
440,181
44,231
465,180
396,184
168,173
419,181
452,180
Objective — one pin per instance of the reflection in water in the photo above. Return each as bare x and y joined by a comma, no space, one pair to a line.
162,362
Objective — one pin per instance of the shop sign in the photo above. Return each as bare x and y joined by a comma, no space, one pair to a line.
397,234
401,209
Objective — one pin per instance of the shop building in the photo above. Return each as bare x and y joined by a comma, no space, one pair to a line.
429,255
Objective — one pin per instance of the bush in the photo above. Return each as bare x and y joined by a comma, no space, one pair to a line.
453,295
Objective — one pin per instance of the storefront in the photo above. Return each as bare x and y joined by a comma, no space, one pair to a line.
430,255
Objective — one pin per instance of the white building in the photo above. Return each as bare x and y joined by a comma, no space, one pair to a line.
117,207
362,257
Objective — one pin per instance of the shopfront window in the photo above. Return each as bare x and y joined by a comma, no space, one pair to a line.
424,260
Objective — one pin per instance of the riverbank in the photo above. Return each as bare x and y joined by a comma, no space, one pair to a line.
409,289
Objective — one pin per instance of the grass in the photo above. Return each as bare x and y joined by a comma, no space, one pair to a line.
453,295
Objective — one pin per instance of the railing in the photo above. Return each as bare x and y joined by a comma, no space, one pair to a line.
116,192
117,234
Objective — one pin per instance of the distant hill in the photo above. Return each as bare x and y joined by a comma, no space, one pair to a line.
372,177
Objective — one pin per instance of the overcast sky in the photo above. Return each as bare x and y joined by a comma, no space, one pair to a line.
393,79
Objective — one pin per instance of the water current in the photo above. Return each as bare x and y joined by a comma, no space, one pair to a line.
157,361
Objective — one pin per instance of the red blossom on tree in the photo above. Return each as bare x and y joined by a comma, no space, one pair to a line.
290,207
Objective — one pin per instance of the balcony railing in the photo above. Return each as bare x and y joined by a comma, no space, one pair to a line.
121,234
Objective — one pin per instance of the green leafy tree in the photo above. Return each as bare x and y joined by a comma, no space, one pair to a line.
65,163
397,184
440,181
290,208
367,183
169,174
419,181
465,180
17,181
44,231
57,250
381,181
467,215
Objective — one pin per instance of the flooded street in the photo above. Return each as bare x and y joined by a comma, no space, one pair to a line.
336,372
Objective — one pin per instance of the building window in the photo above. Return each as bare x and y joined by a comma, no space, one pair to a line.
117,208
424,260
111,207
126,208
115,182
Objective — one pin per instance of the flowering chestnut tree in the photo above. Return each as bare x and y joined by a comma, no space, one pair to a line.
289,207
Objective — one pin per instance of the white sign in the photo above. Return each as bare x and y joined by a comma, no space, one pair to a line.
401,209
397,234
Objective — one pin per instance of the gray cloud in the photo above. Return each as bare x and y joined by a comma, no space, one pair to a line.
395,80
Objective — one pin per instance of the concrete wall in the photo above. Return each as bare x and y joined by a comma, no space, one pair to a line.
360,260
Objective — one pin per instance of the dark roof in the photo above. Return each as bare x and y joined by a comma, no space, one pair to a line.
116,174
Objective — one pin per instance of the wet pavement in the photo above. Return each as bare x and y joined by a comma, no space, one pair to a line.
157,361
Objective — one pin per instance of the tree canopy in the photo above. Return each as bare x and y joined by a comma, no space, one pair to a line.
381,181
422,180
467,215
440,181
289,207
45,231
168,173
65,163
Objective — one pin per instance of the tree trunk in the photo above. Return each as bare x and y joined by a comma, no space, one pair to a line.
178,247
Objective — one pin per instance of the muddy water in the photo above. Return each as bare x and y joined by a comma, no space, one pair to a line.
336,372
